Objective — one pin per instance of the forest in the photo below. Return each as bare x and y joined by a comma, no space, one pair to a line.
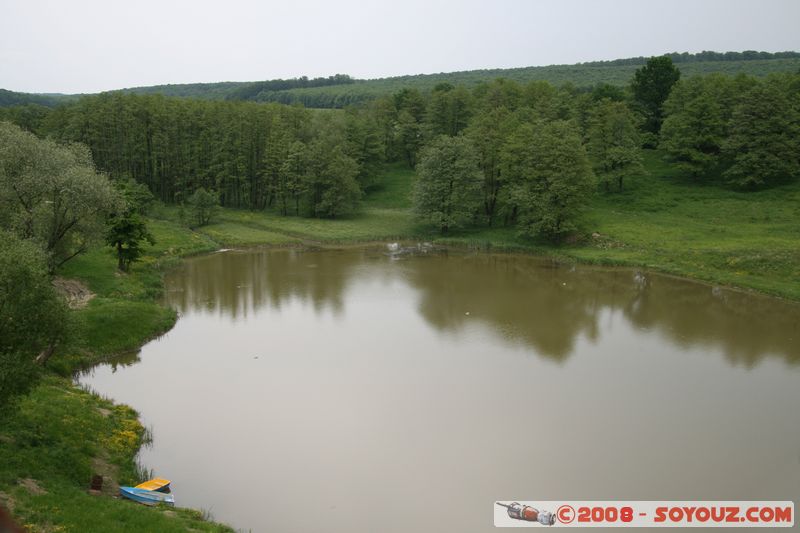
520,148
340,90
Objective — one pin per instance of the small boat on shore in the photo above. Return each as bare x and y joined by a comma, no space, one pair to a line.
146,497
158,484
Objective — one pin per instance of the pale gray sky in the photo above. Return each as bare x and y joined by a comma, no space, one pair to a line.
95,45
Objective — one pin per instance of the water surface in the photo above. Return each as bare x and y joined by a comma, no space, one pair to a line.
360,391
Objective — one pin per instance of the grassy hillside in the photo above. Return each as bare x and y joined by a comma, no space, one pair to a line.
11,98
579,75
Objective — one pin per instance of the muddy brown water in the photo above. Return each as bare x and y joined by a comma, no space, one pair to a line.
358,390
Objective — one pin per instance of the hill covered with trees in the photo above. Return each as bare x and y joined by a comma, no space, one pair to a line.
527,146
341,90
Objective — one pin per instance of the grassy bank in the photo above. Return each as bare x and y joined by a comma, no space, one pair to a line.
661,221
60,435
55,441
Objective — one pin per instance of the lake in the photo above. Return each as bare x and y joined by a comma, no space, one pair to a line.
365,390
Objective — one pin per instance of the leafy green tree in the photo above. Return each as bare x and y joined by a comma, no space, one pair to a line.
488,131
544,100
293,172
551,180
127,228
448,188
449,110
614,143
33,317
499,93
411,101
342,192
126,232
331,181
695,125
408,136
606,90
764,139
364,143
651,86
52,194
203,205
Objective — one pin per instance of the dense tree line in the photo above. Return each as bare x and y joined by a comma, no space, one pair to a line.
705,55
340,90
257,90
253,155
301,162
583,76
743,129
11,98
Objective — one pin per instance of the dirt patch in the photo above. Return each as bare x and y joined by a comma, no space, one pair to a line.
76,293
32,486
5,439
109,472
171,514
105,412
6,502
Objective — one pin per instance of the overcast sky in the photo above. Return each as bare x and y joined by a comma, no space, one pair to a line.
89,46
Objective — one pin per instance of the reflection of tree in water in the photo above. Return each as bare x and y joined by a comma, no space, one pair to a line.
746,327
547,306
115,362
235,283
527,300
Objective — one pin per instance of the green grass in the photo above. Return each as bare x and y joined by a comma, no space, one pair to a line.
59,436
662,221
126,310
394,188
666,222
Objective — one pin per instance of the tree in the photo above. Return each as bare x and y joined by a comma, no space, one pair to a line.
33,317
449,110
614,143
331,180
52,193
203,205
606,90
127,227
764,138
293,172
448,188
127,230
408,136
550,176
695,127
488,131
365,144
651,86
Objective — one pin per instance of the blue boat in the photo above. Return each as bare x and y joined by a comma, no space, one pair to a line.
147,497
